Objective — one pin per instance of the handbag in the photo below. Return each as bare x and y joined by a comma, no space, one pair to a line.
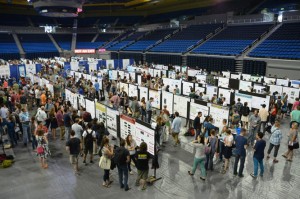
40,150
296,145
104,163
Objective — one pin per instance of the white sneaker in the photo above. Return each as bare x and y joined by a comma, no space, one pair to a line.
131,173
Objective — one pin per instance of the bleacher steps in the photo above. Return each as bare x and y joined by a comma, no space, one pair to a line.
262,39
238,65
184,60
74,35
54,43
132,42
18,43
94,39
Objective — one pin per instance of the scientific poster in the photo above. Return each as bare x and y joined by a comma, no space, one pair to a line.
195,108
246,77
124,86
269,80
218,113
143,93
156,98
186,87
90,107
211,90
133,90
30,68
192,72
127,125
245,86
201,79
180,105
258,88
122,74
101,113
199,90
256,79
167,99
243,97
81,100
223,82
282,82
112,123
226,93
292,93
275,88
256,102
235,76
226,74
145,134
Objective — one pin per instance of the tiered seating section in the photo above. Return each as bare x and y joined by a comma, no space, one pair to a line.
117,39
84,41
8,47
34,43
125,42
188,37
284,43
63,40
233,40
149,40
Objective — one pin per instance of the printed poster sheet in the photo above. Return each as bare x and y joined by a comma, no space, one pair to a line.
195,108
218,113
112,123
101,113
180,105
127,125
90,107
167,99
145,134
156,98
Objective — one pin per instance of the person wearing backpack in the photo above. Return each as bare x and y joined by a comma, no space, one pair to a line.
245,111
122,157
279,103
88,139
73,146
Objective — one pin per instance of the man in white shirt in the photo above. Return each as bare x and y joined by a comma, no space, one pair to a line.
41,115
4,112
77,129
263,114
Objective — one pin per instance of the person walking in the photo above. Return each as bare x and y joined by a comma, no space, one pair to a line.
254,124
107,153
212,141
263,114
293,142
241,145
176,126
123,159
24,119
67,123
131,147
60,122
42,148
142,164
258,156
275,140
199,158
149,109
89,136
73,147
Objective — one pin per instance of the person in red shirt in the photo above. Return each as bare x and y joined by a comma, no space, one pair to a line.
60,122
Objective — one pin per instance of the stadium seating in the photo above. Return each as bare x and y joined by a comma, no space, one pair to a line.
13,20
117,39
125,42
233,40
149,39
63,40
188,37
33,43
84,41
284,43
8,47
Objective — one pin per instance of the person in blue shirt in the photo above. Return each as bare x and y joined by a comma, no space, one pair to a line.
97,88
11,131
176,126
241,144
258,156
275,140
81,91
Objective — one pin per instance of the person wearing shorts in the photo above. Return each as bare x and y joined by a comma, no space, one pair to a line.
73,147
142,160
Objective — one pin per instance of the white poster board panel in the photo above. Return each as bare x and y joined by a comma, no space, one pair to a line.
223,82
258,88
81,100
235,76
244,98
156,98
143,92
151,71
122,74
101,113
180,105
171,74
167,99
256,102
186,87
133,91
195,108
93,66
199,90
211,91
192,72
124,87
113,74
156,73
132,75
145,134
295,83
269,80
226,93
201,79
30,68
282,82
173,83
245,86
90,107
218,114
74,65
50,88
111,121
292,93
246,77
275,88
226,74
110,64
127,125
256,79
126,62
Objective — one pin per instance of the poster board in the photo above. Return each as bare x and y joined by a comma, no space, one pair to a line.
113,74
282,82
125,87
211,91
246,77
235,76
256,102
223,82
192,72
171,74
295,83
259,88
133,91
145,133
180,105
243,97
269,80
195,108
90,107
81,100
226,74
127,125
226,93
275,88
218,113
122,74
156,98
111,121
245,86
101,113
157,73
168,100
186,87
143,92
30,68
199,89
256,79
201,79
292,93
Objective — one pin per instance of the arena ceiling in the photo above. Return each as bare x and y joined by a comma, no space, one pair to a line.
117,7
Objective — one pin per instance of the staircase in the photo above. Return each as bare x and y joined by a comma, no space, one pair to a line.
54,43
239,65
20,47
74,36
184,60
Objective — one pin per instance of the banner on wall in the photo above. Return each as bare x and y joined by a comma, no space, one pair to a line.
101,113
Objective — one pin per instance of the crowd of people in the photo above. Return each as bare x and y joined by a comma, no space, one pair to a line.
30,113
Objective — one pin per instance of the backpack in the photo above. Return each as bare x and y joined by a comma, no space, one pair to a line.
89,139
245,111
279,104
238,106
119,157
87,117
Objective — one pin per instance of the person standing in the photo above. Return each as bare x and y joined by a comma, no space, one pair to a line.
199,157
166,118
67,123
212,140
295,115
197,124
258,156
24,118
245,115
263,114
42,148
241,145
149,109
131,147
228,141
60,122
292,141
123,160
73,147
275,140
41,115
97,89
142,164
107,152
254,124
89,136
176,126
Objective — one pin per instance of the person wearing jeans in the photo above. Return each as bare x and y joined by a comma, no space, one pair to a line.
241,145
199,158
149,109
124,158
254,125
67,123
258,155
275,139
24,118
176,125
